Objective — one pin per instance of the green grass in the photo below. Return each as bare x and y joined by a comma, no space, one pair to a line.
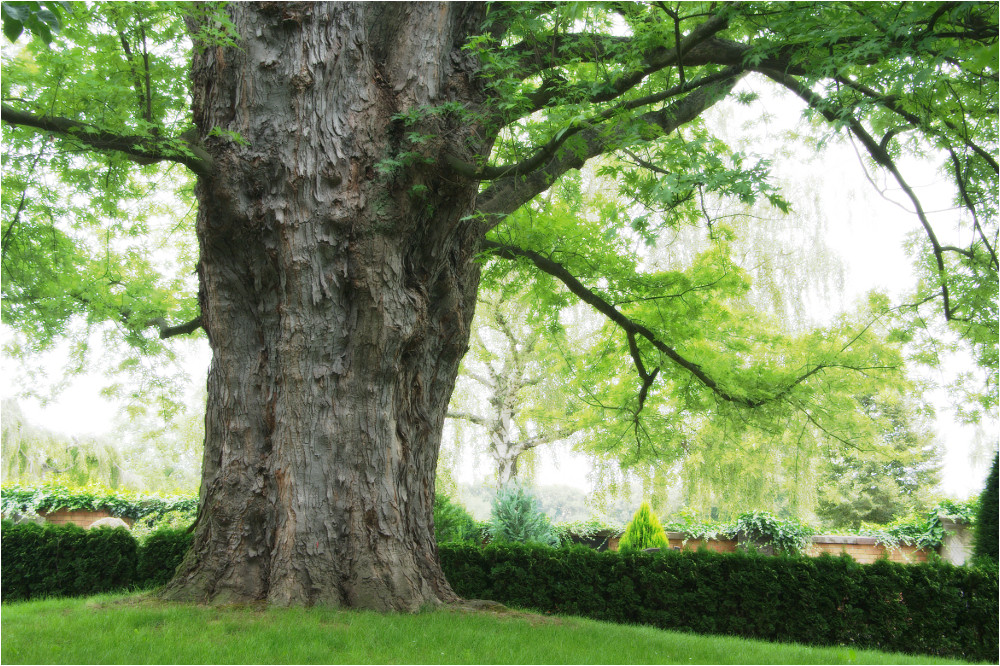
120,629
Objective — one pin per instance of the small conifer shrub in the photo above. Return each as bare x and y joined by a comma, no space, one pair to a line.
517,518
644,531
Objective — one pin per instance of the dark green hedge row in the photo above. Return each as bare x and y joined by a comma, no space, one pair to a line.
65,560
936,609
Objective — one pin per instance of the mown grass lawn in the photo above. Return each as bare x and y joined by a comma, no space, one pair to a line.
137,629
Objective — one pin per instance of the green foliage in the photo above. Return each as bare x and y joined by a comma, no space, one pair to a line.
92,243
923,530
40,561
592,532
643,531
761,529
926,608
516,518
144,508
160,555
39,18
452,522
987,536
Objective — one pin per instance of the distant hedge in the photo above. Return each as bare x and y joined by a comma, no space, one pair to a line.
935,609
66,560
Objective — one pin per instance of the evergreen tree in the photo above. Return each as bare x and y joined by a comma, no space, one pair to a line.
452,522
644,531
516,517
986,521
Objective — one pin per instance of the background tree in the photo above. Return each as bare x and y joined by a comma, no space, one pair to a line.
146,454
34,455
516,367
353,162
893,478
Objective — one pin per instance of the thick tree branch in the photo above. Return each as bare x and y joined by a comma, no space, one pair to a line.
167,331
547,151
511,192
144,150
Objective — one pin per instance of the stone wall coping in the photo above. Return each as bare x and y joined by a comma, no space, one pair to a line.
844,539
852,539
681,536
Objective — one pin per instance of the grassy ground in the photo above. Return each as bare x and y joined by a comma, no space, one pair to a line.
126,629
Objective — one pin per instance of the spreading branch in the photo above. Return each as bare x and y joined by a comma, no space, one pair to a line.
545,153
509,193
141,149
698,48
630,327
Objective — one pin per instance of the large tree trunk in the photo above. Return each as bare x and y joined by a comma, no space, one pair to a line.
337,288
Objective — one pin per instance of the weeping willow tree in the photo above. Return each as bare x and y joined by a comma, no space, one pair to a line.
33,455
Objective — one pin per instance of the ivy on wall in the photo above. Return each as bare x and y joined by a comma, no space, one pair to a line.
15,498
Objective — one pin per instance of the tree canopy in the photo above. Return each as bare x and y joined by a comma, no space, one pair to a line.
568,83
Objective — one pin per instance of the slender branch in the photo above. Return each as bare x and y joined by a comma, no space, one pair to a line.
891,103
971,207
700,47
144,150
835,114
604,307
535,54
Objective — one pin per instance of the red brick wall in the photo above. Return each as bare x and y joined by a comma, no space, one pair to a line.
863,549
718,545
77,517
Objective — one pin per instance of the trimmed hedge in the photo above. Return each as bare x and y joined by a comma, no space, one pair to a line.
161,554
66,560
935,608
932,608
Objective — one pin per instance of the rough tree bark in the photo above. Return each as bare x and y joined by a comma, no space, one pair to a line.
338,284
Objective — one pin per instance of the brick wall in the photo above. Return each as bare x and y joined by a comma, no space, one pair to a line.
863,549
677,542
77,517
